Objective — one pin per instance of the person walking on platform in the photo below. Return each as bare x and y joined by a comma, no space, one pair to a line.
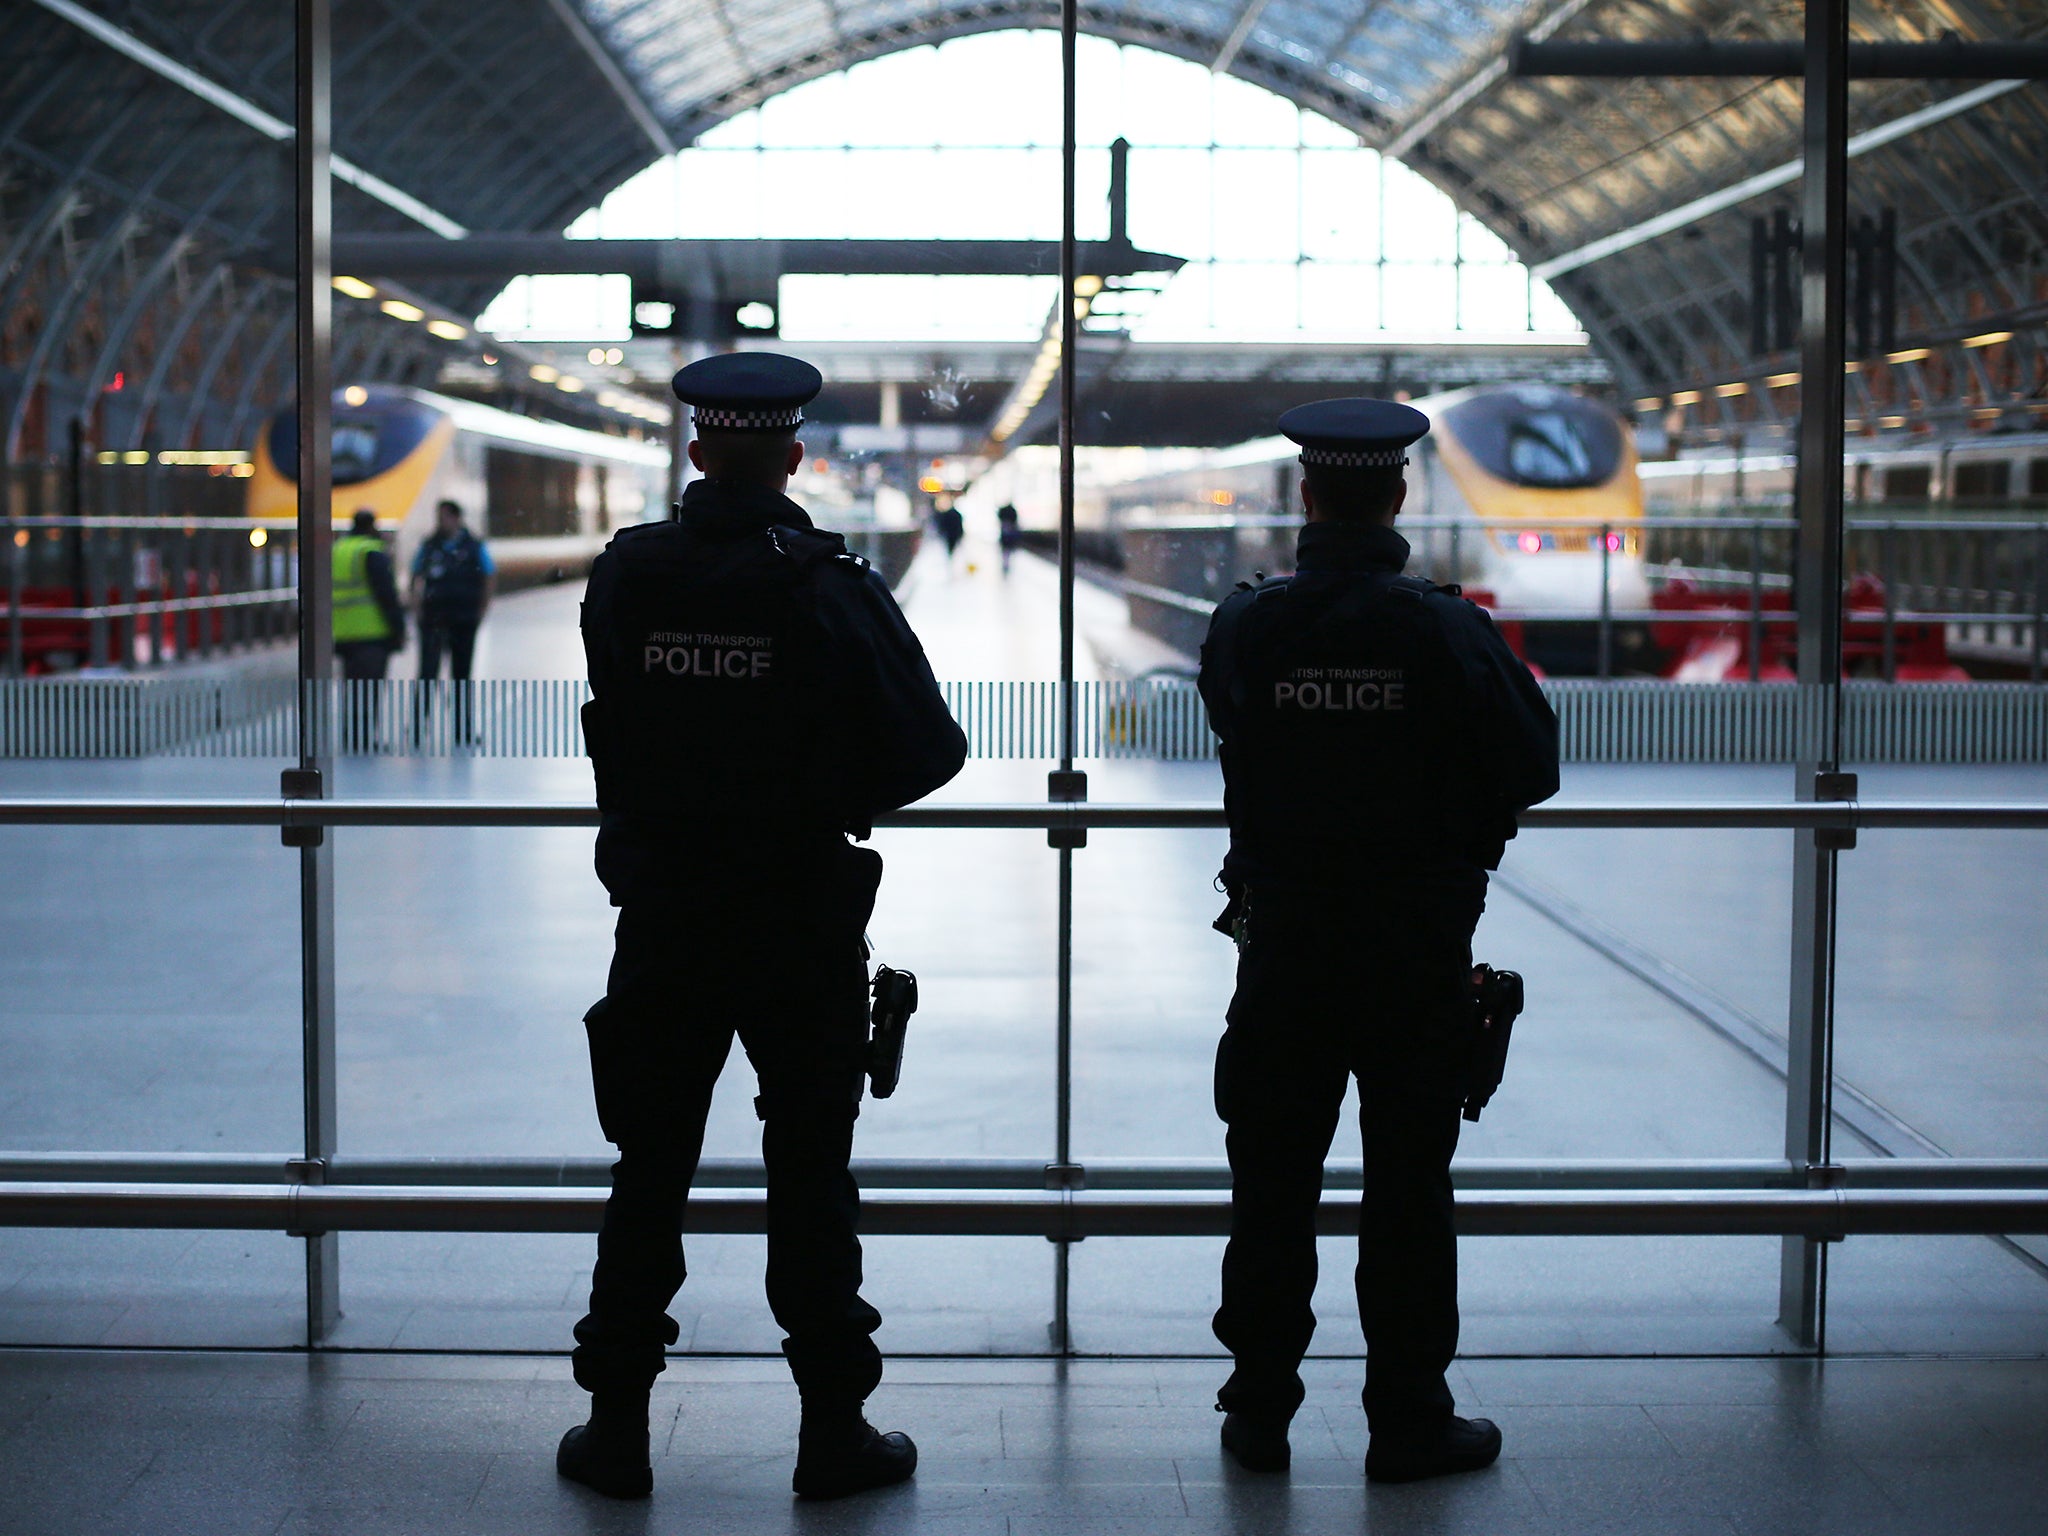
369,623
1009,533
757,700
951,527
453,580
1378,742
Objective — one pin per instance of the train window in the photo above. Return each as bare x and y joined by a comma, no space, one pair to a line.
2037,478
1981,481
1537,436
1907,482
1549,449
355,451
530,496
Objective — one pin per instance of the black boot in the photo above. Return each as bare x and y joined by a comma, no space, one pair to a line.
839,1452
609,1454
1460,1445
1258,1442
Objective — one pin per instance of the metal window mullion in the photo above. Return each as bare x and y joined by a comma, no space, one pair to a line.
1810,1033
312,149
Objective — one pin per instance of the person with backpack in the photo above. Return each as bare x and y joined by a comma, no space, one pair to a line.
757,701
453,580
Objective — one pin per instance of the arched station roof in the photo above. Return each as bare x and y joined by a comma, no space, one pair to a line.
142,221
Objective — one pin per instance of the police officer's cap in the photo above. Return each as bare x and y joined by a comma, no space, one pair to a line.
748,391
1354,434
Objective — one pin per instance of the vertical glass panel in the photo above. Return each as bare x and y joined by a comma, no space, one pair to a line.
1340,297
1493,298
1420,222
1424,296
1171,201
1340,204
1258,197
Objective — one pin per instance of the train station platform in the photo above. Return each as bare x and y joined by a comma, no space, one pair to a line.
152,1380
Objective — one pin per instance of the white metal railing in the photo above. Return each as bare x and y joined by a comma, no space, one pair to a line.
1617,721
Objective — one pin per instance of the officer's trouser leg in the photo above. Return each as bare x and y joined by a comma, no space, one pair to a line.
1279,1097
810,1059
1410,1090
1407,1252
653,1079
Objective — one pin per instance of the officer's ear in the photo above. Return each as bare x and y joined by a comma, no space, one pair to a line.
795,458
697,455
1400,499
1308,499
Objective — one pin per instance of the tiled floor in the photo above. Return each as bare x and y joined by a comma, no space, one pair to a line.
221,1444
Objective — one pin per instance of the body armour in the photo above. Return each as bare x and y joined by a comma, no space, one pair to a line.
1368,720
756,693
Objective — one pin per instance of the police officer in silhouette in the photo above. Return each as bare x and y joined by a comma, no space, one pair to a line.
1378,741
758,700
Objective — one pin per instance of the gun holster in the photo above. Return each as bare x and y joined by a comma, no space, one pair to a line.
895,1001
1496,1002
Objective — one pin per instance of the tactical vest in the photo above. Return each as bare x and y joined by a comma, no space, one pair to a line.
720,710
356,614
1351,749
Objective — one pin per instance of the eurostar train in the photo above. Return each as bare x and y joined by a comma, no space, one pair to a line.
1508,496
546,495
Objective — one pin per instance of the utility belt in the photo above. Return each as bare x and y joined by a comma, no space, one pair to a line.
1496,1000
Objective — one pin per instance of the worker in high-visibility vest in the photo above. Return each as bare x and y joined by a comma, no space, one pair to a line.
369,623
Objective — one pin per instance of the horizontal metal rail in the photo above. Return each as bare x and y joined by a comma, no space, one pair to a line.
1843,815
145,607
302,1209
1012,1173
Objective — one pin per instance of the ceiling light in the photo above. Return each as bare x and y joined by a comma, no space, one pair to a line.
1087,287
1891,421
447,330
1686,397
1910,355
355,394
355,288
595,355
398,309
1988,339
1650,403
1782,380
541,373
615,355
1730,391
569,382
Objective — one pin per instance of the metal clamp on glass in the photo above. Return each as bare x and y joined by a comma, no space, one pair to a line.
1066,786
1828,786
1065,1179
301,784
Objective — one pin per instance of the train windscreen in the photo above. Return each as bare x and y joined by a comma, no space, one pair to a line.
368,439
1542,438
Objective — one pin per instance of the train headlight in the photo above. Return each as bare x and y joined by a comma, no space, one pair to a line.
258,538
1614,542
1529,543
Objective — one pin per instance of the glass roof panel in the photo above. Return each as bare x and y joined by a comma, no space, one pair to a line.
699,60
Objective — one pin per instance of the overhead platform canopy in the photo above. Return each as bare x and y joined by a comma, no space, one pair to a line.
142,171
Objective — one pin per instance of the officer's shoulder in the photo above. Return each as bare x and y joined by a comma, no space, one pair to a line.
639,536
1245,593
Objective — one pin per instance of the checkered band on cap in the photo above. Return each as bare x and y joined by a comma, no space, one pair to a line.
744,421
1378,458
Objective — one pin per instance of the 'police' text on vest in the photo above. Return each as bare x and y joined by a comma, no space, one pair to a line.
693,655
1342,689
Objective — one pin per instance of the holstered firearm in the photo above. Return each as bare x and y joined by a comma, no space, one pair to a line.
895,1001
1496,1001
